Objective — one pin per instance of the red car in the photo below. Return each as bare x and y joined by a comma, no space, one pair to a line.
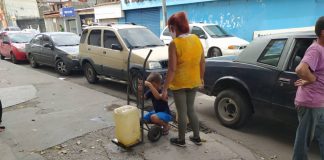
12,45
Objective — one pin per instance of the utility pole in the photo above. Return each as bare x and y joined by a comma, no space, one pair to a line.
164,12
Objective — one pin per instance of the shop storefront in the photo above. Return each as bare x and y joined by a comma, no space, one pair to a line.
87,16
148,17
53,21
108,13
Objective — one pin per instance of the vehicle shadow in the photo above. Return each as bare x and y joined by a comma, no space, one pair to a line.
261,134
51,70
108,87
280,131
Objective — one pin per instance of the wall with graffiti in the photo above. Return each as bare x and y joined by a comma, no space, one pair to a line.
137,4
243,17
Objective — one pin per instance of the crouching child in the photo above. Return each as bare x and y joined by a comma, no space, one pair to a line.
161,114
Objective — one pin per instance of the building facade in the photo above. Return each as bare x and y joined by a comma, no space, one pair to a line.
238,17
68,15
21,13
108,11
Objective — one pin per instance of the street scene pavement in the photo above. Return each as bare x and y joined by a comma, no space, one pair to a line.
67,118
68,67
57,119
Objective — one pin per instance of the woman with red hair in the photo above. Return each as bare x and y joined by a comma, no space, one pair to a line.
186,69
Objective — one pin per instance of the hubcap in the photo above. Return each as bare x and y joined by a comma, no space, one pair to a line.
32,62
89,73
61,67
228,109
135,80
214,52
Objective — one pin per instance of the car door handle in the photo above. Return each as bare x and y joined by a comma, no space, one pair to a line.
284,80
104,52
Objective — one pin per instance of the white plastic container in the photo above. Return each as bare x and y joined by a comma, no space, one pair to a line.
127,123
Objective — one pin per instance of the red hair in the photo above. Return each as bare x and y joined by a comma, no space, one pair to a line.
180,21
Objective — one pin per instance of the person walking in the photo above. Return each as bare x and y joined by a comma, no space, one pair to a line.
309,99
186,68
61,28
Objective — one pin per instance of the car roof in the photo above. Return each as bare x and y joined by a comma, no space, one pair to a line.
57,33
12,27
197,24
201,24
8,32
289,34
115,26
258,45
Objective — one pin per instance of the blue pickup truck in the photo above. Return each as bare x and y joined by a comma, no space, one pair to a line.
259,80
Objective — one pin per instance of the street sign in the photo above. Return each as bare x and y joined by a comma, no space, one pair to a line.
67,12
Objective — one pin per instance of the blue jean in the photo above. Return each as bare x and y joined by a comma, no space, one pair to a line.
161,115
311,125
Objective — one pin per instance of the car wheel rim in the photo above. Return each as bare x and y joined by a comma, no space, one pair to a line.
13,58
136,78
61,67
32,62
228,109
134,83
214,53
89,73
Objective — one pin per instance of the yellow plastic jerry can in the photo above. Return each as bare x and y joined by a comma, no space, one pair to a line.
127,123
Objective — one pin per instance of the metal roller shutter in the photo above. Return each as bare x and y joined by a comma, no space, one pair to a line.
149,18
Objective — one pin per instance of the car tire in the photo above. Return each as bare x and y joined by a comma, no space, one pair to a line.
13,58
2,57
154,133
61,68
32,61
214,52
232,108
136,75
90,73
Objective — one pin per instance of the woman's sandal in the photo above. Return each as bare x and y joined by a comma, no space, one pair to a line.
165,132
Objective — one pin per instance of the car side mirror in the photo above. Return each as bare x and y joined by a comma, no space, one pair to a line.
47,45
203,37
6,42
116,47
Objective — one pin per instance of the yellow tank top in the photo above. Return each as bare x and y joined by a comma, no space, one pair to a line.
189,52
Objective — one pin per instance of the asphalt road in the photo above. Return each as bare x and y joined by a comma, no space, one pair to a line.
267,138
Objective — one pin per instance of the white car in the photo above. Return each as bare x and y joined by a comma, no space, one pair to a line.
215,40
35,31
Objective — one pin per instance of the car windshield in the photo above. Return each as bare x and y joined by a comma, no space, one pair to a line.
21,37
216,31
66,39
139,38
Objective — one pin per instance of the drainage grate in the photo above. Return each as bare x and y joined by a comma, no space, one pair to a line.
202,127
